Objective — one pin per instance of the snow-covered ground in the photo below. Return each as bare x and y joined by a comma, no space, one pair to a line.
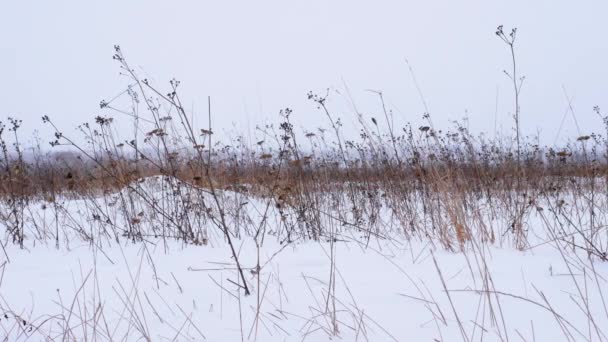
353,289
391,291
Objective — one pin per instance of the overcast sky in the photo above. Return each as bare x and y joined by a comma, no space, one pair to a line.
255,57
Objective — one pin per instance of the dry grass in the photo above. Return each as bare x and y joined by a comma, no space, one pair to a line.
451,188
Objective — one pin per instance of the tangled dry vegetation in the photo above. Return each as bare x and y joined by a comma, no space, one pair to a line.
448,186
172,181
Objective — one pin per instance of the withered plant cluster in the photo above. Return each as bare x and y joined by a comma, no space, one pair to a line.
172,180
446,186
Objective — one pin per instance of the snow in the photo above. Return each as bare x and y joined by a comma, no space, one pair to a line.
382,295
385,289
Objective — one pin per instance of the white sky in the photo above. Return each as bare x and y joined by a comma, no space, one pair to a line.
256,57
